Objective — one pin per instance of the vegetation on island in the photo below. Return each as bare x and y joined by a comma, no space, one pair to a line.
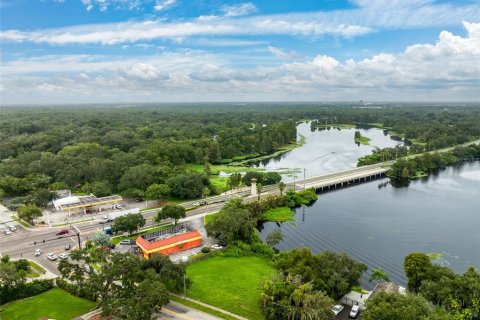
416,167
359,139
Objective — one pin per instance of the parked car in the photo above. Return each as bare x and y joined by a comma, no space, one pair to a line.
354,312
63,256
337,309
216,247
12,228
67,246
7,232
38,252
127,242
196,204
51,257
61,232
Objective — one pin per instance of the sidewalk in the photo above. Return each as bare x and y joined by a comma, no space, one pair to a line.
210,306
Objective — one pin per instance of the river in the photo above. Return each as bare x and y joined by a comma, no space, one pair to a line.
380,224
326,151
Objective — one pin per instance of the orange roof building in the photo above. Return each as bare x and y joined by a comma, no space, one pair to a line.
169,245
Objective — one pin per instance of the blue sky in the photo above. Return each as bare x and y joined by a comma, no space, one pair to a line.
61,51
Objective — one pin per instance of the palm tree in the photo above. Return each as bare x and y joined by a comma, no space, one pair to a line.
281,186
379,275
259,190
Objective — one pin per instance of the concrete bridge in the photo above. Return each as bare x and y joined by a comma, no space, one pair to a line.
341,178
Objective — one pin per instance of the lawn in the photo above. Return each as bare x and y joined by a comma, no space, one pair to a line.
230,283
54,304
279,214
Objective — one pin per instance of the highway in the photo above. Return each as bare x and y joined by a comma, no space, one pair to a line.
24,242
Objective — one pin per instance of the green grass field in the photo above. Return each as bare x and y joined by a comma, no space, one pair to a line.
279,214
230,283
54,304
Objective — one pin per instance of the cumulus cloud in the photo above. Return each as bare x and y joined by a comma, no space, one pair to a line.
445,70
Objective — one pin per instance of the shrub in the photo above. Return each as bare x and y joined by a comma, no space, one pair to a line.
205,249
24,290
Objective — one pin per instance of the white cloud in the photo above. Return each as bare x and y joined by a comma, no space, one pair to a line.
446,70
237,10
281,54
163,4
104,5
368,17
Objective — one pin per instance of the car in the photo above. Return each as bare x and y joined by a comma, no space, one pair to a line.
127,242
196,204
38,252
354,312
67,246
337,309
106,219
63,256
7,232
12,228
61,232
117,206
51,257
216,247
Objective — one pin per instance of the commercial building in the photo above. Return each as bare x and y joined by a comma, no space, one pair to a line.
168,241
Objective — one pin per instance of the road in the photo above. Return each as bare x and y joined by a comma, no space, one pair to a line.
175,310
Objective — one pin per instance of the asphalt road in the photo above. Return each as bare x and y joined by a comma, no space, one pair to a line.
23,243
175,310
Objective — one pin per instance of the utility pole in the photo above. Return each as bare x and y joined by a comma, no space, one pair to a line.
304,170
77,231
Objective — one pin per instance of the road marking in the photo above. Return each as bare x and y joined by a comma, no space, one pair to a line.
176,314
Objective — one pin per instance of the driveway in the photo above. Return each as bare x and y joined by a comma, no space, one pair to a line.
344,314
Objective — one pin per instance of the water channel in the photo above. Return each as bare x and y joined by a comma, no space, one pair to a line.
380,224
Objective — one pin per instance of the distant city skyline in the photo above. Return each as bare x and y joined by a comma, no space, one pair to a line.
109,51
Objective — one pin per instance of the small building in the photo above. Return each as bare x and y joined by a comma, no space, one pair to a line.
167,244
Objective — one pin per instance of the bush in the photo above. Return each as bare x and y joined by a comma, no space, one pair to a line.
24,290
205,249
77,291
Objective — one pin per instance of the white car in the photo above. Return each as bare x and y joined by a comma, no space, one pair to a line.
63,256
337,309
196,204
216,247
12,228
7,232
51,257
38,252
354,312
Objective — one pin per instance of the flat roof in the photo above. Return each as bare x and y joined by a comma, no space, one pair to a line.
168,242
90,201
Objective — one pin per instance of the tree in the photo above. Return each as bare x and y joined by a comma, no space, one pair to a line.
173,275
157,191
259,190
289,298
29,212
122,287
101,239
188,186
416,266
281,187
274,237
394,306
173,211
98,188
207,170
379,274
129,223
234,180
233,222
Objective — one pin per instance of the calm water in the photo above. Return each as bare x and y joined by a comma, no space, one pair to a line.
379,224
327,151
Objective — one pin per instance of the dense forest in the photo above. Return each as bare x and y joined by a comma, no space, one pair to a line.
126,149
